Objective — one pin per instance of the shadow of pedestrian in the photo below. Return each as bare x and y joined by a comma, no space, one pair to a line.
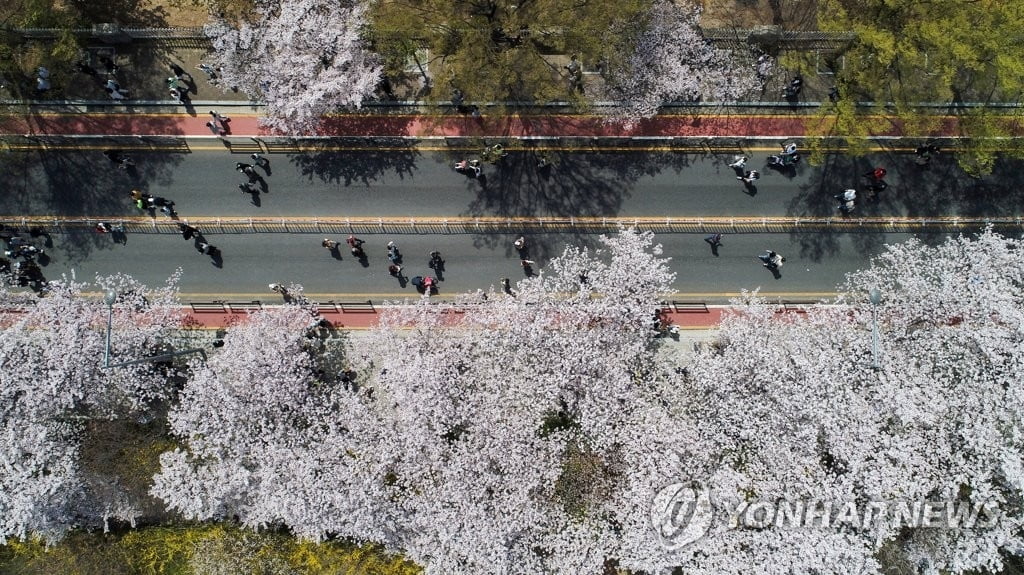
749,189
335,253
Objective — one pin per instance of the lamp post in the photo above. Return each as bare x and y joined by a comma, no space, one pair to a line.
875,297
109,297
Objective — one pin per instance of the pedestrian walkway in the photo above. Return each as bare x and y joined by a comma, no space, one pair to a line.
364,125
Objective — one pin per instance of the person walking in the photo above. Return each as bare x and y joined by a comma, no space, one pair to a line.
847,200
260,161
278,288
771,260
329,244
520,244
187,231
877,174
215,129
396,271
738,162
714,239
220,120
248,170
393,254
749,177
355,246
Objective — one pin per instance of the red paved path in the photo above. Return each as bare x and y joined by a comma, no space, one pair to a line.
363,320
355,125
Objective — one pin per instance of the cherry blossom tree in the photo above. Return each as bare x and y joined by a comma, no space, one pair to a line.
52,380
666,59
274,435
789,408
536,431
303,58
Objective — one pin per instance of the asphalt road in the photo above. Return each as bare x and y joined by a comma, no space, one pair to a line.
203,182
816,263
409,183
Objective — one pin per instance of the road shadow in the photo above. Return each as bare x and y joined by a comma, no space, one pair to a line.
561,183
363,167
940,189
79,182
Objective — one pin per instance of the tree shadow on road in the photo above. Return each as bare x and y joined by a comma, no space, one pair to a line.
564,183
941,189
362,167
77,183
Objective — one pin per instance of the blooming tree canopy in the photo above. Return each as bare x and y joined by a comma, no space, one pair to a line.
666,59
52,380
303,58
789,408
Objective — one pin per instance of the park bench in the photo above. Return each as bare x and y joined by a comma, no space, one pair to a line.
357,307
244,306
689,307
208,307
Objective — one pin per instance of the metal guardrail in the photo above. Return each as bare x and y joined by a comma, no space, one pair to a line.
483,225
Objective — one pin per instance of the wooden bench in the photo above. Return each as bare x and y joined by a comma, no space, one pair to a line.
244,306
689,307
208,307
357,307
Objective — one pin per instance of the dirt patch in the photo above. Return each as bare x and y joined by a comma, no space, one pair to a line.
179,14
789,14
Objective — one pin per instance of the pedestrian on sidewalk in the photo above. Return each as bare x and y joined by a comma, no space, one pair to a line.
109,66
177,95
136,194
215,129
520,244
180,74
206,249
506,286
396,271
42,79
714,239
330,244
211,74
924,154
738,162
221,120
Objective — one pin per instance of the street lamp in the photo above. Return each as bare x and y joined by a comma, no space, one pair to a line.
109,297
875,297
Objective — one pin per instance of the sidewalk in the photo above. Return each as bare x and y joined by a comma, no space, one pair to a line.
128,122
